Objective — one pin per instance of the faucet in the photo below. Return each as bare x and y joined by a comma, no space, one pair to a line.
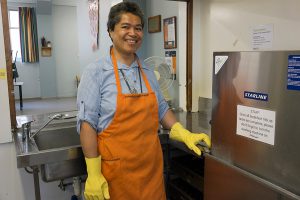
26,130
56,116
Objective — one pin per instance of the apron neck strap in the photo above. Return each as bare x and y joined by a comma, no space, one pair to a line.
115,64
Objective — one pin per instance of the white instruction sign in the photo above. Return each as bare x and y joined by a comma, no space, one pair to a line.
262,37
257,124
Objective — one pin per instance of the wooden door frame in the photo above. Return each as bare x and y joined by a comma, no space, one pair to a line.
189,54
8,59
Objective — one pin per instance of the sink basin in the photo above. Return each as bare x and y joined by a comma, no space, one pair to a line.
50,140
55,150
57,138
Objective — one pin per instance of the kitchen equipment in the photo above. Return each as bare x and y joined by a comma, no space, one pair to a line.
255,126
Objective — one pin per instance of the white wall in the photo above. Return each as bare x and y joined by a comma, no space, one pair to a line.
47,65
65,49
226,26
86,54
30,75
181,73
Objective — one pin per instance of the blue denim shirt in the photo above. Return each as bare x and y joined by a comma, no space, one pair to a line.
97,91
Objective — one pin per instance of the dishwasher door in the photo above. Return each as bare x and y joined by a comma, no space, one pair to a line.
227,182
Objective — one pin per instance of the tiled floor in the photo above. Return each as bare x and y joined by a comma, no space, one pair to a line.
40,106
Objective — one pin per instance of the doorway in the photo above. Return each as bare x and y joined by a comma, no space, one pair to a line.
189,52
41,80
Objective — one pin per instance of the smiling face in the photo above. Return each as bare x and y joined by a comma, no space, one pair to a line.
127,35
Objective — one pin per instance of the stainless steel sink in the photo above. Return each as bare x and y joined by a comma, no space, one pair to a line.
57,138
64,139
55,150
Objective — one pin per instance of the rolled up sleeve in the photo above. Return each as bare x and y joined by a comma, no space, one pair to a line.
163,108
88,97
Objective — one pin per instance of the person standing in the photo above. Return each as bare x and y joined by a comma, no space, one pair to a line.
120,107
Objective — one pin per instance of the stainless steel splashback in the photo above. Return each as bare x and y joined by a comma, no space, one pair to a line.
259,73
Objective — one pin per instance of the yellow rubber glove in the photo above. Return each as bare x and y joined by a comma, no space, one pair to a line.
96,187
190,139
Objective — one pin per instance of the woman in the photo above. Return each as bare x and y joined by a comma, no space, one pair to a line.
120,107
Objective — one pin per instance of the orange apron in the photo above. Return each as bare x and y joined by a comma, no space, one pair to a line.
130,149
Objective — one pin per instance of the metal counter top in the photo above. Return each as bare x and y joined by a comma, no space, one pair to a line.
28,154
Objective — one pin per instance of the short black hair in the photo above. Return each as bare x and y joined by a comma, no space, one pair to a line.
117,10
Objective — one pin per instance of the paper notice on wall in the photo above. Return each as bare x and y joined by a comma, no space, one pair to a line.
262,37
170,59
257,124
2,73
